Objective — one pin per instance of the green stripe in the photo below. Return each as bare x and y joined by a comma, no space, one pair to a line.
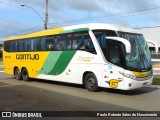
57,62
50,62
66,31
81,29
75,30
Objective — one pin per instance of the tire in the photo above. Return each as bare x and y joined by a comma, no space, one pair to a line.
90,82
17,74
25,75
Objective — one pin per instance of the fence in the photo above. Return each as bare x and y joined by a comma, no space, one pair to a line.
156,63
155,55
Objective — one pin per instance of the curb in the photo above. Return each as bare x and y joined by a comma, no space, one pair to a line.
155,86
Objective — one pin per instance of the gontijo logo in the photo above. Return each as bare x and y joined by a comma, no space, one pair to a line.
113,83
27,57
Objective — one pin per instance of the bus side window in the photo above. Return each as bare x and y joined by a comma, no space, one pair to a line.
25,45
58,43
7,45
33,43
62,42
38,45
20,45
77,41
68,41
43,44
87,44
13,47
90,47
101,34
50,43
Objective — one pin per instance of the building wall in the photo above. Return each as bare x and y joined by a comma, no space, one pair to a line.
152,33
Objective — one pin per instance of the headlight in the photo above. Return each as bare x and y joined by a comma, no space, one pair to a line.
129,76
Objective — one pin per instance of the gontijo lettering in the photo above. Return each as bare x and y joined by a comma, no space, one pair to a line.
27,57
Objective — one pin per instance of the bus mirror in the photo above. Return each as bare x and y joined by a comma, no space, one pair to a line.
124,41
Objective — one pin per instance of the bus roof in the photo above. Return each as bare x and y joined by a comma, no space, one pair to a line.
75,28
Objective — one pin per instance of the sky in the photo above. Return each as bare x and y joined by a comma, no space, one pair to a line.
17,20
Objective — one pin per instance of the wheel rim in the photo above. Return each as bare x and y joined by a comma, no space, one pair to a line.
91,83
17,73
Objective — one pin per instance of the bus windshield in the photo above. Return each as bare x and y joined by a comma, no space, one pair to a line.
139,59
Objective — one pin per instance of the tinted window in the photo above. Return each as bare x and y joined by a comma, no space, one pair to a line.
69,41
20,45
101,36
59,42
115,55
7,46
50,43
82,41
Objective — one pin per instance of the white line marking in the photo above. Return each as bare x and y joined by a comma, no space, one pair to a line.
6,86
156,68
155,60
156,73
1,71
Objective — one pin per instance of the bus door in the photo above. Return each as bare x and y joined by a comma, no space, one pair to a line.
115,64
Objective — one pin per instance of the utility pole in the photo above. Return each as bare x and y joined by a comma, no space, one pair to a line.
46,14
46,17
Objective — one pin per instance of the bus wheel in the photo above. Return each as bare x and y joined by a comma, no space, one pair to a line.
25,75
90,82
17,74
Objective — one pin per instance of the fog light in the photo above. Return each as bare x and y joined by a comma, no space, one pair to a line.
129,84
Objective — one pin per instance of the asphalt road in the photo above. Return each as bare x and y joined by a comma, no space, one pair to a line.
41,95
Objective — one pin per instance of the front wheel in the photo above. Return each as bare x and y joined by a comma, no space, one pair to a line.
25,75
90,82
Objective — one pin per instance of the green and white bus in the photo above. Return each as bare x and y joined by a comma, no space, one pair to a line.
95,55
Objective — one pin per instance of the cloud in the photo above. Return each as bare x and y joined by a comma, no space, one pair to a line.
60,5
70,10
15,28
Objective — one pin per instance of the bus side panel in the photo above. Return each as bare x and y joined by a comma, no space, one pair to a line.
33,61
88,62
70,74
8,62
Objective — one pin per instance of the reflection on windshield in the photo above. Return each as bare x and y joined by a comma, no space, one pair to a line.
139,58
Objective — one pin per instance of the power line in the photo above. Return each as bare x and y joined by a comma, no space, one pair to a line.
100,17
110,16
13,6
78,20
73,21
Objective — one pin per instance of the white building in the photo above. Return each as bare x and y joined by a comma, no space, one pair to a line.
152,35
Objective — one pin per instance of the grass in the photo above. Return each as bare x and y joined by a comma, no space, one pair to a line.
156,81
1,63
1,69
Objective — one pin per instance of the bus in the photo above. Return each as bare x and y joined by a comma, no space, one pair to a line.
94,55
